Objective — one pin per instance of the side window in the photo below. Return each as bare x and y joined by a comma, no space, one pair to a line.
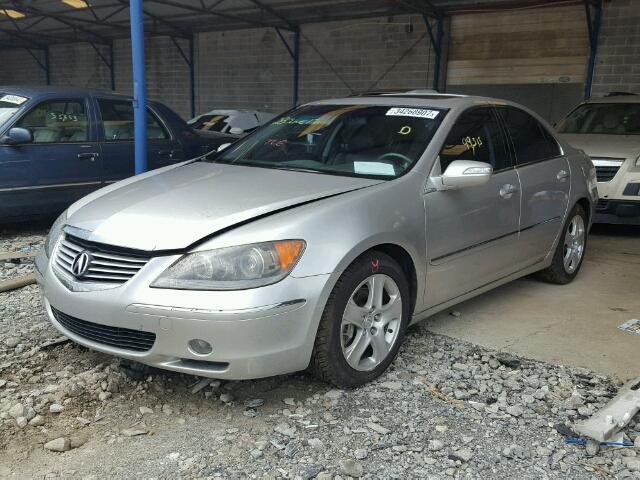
475,136
57,121
117,119
531,142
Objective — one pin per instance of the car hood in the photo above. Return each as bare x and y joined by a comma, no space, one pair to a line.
602,146
179,206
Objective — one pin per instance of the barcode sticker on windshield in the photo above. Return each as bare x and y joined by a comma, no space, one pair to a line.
15,99
412,112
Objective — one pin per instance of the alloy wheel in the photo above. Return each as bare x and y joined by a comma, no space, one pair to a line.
371,322
574,241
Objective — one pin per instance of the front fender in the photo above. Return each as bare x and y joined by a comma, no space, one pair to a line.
339,229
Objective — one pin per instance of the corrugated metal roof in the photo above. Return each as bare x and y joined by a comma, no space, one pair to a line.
44,22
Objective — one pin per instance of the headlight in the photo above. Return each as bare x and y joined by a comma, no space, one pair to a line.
54,233
233,268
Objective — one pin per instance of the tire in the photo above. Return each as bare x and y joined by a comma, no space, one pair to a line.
560,271
383,328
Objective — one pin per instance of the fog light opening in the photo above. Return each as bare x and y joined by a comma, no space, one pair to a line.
198,346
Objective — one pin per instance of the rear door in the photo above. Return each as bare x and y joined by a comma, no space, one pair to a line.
544,175
472,232
63,161
117,140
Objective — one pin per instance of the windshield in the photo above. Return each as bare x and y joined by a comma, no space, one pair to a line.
603,118
9,105
211,123
352,140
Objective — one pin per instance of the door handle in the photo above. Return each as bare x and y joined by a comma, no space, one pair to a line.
507,190
168,153
88,156
562,175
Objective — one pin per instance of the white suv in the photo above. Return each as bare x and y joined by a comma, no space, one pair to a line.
608,130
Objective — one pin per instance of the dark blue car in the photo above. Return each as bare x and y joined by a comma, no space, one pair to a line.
59,144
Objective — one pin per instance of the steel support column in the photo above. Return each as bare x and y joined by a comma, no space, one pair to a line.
294,53
47,66
139,86
436,42
296,67
593,10
112,68
44,63
108,61
192,76
189,60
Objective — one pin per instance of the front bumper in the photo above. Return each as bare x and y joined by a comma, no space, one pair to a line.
621,212
254,333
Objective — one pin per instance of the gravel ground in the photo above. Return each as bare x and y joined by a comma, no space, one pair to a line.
446,408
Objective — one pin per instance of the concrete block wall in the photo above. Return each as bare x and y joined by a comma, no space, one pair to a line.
618,59
367,54
79,65
251,68
20,68
243,69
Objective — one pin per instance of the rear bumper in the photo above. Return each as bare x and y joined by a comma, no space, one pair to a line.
625,212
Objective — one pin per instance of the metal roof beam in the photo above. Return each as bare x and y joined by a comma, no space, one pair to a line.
175,30
274,13
249,21
71,21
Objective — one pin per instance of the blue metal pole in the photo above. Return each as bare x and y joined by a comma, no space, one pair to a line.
593,23
139,86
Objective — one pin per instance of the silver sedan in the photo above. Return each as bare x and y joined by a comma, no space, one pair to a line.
317,239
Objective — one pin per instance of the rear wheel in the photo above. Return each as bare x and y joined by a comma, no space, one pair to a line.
363,323
569,253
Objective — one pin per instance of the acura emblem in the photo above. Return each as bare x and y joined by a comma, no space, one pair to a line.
81,264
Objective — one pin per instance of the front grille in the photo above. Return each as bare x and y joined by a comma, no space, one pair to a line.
606,173
124,338
106,263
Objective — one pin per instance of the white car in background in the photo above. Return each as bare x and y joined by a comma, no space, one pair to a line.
608,130
233,122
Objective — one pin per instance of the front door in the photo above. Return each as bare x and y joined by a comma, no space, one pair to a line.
61,165
544,175
472,232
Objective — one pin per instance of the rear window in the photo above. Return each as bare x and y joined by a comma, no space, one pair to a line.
211,123
531,142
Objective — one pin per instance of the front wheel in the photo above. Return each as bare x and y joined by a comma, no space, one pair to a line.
569,253
363,323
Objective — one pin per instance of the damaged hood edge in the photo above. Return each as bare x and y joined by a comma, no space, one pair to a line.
181,205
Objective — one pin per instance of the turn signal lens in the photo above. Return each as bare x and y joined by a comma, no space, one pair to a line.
288,252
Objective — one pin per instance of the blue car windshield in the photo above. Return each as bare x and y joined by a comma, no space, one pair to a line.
351,140
9,105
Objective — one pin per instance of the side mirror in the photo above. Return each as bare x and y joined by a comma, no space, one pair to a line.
17,136
222,147
466,173
236,131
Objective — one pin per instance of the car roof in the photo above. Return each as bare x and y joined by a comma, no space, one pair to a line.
38,90
616,98
418,99
231,111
